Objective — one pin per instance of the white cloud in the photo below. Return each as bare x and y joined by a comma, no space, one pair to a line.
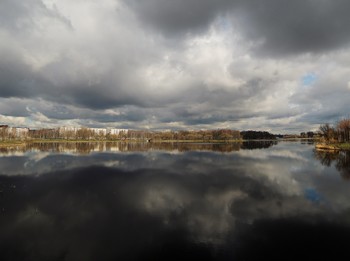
13,121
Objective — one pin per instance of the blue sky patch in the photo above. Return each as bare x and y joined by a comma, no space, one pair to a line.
312,195
309,79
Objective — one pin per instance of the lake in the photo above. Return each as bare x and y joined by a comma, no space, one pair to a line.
153,201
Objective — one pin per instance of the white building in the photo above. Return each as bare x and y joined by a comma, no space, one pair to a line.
17,132
66,129
114,131
99,131
22,131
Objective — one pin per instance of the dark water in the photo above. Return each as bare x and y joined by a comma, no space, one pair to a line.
174,201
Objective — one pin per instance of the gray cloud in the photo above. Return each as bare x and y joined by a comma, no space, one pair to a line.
61,72
25,18
178,16
174,64
289,27
280,27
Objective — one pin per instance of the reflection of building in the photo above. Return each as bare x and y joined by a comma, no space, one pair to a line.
290,136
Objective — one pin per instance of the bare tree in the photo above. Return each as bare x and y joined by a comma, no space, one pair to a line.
328,132
343,128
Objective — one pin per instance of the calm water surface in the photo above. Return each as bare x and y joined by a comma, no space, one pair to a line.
136,201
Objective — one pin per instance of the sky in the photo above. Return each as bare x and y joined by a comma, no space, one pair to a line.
275,65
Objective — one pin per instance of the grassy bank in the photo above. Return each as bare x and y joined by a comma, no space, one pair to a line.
344,146
17,143
333,146
198,141
131,141
22,143
11,143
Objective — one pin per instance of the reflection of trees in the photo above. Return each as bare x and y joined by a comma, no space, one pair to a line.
325,157
12,149
343,164
341,159
88,147
178,146
307,142
209,147
251,145
55,147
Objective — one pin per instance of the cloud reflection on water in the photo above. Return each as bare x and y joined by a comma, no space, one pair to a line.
157,204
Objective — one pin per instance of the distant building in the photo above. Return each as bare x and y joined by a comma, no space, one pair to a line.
64,132
99,131
68,132
114,131
12,133
22,132
65,129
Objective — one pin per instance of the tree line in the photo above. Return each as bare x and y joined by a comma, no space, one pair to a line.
257,135
340,132
10,133
100,134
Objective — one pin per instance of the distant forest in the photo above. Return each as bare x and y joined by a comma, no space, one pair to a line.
257,135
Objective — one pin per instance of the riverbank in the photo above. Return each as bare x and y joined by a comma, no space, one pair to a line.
23,143
6,144
344,146
333,146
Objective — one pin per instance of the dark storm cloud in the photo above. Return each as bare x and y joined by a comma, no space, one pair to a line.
13,107
287,27
178,16
18,79
223,96
44,56
281,27
96,97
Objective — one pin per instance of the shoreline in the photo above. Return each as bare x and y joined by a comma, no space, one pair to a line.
332,147
5,144
25,142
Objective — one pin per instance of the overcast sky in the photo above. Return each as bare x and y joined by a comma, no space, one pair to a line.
276,65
